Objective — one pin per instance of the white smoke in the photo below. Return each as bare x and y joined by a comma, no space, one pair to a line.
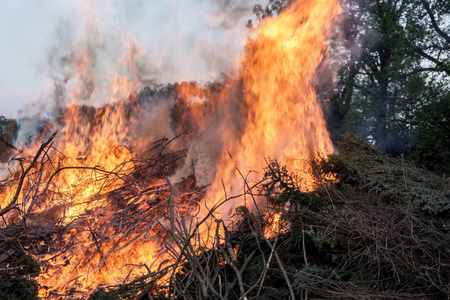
183,41
102,44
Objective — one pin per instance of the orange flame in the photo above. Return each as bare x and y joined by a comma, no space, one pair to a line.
283,119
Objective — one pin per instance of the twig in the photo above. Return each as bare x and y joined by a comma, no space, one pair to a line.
231,259
11,145
404,170
24,173
268,261
329,196
304,247
280,264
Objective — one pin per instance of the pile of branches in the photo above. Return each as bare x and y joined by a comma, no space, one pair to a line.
378,229
129,208
221,264
375,227
345,240
394,179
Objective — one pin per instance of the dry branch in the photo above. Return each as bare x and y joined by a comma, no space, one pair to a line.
24,174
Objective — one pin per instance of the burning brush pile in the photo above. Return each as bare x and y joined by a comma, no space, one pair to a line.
360,234
96,218
219,192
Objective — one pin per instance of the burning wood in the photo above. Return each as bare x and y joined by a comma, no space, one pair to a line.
127,209
145,212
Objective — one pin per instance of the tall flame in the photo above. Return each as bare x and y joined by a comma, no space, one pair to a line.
283,119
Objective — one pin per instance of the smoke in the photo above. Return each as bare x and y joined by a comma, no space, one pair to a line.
225,121
108,50
174,41
346,41
228,13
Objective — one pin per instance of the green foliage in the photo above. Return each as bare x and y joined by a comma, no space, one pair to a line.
320,240
33,265
433,147
394,179
8,131
17,288
138,289
282,187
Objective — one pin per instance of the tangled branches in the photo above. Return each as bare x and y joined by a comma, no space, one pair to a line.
345,240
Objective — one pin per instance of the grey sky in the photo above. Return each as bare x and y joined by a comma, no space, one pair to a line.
183,39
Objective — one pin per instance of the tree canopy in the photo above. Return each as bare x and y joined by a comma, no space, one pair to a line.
393,84
8,131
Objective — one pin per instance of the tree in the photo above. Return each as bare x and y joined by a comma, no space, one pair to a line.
395,56
432,140
8,131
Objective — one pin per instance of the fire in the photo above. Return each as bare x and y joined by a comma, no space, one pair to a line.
283,119
93,163
193,100
275,225
279,118
90,156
